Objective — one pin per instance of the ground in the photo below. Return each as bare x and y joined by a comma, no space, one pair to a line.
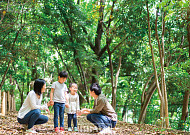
9,125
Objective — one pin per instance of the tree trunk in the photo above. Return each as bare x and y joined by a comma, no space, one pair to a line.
154,66
3,79
82,75
22,99
146,101
124,113
8,101
3,103
115,84
186,95
184,110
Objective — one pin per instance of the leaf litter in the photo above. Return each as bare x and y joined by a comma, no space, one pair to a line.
9,125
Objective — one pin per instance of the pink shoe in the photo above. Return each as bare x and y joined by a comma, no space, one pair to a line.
56,129
61,129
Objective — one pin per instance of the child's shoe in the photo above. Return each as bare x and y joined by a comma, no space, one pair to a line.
61,129
56,129
69,129
76,129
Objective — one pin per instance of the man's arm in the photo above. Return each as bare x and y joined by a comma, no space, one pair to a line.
101,103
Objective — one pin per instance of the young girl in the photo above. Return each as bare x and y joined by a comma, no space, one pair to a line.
74,107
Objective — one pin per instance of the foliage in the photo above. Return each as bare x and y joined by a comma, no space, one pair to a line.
36,34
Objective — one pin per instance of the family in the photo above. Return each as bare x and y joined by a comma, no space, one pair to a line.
102,115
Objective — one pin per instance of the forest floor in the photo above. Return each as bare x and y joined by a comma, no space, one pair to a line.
9,125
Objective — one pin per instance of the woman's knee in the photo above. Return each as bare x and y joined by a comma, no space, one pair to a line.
45,119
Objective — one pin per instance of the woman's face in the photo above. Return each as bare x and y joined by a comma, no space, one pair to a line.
43,88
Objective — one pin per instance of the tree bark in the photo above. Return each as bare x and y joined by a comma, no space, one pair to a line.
82,75
3,79
154,66
115,84
184,110
146,101
163,83
3,103
186,95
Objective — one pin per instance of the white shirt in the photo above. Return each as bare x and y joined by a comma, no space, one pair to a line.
31,102
73,104
59,92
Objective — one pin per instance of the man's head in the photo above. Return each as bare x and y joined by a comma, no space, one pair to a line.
95,88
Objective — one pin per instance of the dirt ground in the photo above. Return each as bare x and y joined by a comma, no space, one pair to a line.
9,125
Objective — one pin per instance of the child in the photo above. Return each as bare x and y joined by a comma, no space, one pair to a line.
74,107
58,99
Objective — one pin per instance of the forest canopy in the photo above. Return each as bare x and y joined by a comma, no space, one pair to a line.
138,51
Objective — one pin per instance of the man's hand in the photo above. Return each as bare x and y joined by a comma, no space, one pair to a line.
85,111
79,113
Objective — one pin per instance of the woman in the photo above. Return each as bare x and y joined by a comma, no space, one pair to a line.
30,113
102,115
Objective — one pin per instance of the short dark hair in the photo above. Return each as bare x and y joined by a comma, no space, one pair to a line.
38,85
63,74
96,88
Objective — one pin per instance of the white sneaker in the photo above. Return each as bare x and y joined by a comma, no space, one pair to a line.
31,131
106,131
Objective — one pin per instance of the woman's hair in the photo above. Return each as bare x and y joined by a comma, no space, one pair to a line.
63,74
96,88
72,84
38,85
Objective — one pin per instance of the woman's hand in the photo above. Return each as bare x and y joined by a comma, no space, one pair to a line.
47,110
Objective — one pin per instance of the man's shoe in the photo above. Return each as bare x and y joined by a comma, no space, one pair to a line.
106,131
61,129
69,129
25,126
56,129
76,129
31,131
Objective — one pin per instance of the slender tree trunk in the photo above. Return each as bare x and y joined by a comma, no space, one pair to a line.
21,94
82,75
3,79
124,113
186,95
115,84
154,66
8,101
3,103
146,101
184,110
112,78
163,75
